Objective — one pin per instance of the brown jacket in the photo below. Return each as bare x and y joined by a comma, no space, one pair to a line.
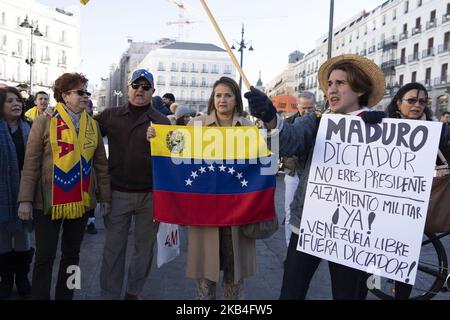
38,168
203,259
130,164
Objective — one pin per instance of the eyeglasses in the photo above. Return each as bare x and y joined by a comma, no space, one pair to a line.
413,101
81,92
136,86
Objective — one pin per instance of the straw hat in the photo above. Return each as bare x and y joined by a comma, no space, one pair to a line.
367,66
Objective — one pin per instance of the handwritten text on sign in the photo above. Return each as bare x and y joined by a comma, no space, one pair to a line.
367,194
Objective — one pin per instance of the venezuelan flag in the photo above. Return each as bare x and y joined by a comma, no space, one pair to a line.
211,176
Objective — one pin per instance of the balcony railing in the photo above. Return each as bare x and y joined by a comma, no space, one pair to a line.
161,69
431,24
401,61
416,30
390,43
388,64
184,70
161,83
174,69
204,70
194,70
363,52
403,36
444,47
442,80
428,53
413,57
371,49
173,83
446,17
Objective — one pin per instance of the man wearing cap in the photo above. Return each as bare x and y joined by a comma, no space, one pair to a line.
131,184
352,84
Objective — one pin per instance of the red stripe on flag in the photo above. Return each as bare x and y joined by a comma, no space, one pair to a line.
62,197
194,209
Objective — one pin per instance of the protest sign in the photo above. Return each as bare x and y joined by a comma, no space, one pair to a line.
367,194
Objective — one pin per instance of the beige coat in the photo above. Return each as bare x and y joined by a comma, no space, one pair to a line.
203,259
38,167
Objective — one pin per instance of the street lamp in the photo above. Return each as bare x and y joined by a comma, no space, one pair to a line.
330,29
242,45
118,95
34,31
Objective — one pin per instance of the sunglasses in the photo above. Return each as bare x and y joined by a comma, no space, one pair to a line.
81,92
136,86
413,101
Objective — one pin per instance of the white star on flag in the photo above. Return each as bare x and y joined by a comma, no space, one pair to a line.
211,168
188,182
202,170
194,174
239,175
222,168
244,183
231,170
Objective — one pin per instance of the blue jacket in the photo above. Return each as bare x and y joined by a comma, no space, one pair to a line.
299,139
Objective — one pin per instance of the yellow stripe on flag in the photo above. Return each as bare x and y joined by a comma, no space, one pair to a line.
84,2
208,143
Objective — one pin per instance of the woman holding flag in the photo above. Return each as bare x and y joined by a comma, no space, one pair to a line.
210,248
56,188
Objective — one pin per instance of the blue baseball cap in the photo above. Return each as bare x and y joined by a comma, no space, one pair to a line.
142,73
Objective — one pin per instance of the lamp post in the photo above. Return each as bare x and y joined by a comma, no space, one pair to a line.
118,95
330,29
34,31
242,45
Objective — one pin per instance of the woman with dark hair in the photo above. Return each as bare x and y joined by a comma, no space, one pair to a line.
57,188
15,251
211,249
411,103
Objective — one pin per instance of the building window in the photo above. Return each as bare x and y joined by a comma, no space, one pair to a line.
414,76
419,3
394,14
227,69
192,95
161,66
173,81
406,6
428,76
401,80
3,18
193,68
183,81
3,42
204,68
46,31
63,36
19,47
203,82
215,69
194,82
444,71
384,20
184,67
174,67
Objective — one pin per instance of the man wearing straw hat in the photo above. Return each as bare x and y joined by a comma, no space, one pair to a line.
352,85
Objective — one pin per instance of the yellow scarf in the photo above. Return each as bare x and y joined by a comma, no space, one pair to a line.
72,163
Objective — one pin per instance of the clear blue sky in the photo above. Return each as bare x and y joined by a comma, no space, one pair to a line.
276,28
